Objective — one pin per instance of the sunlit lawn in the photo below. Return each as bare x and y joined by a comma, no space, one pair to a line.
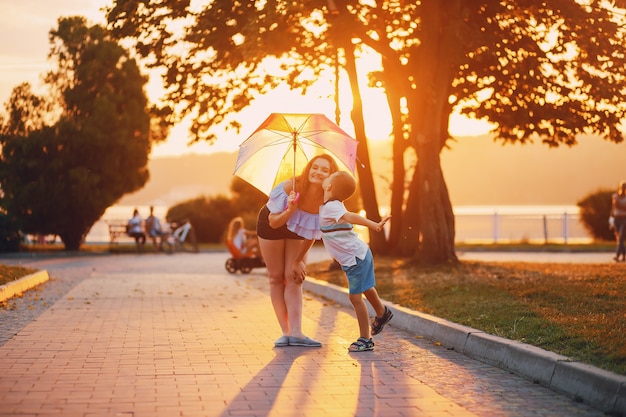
576,310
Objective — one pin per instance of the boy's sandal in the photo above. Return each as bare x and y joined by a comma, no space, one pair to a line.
361,345
379,322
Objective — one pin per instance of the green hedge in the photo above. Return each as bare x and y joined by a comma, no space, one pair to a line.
594,214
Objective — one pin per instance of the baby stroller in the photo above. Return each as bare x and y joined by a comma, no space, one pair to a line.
242,262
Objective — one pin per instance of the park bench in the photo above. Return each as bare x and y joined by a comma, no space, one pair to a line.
182,238
117,231
118,234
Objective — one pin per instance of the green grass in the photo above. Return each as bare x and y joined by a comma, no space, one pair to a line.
576,310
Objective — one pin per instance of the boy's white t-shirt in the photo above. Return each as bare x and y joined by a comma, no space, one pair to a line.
339,239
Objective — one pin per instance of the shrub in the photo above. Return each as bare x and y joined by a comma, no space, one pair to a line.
209,217
594,214
10,235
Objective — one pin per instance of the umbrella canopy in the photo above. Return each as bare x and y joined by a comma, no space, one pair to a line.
283,144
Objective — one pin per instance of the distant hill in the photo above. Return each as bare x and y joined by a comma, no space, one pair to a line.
481,172
175,179
477,171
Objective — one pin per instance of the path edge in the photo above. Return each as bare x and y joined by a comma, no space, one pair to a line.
20,286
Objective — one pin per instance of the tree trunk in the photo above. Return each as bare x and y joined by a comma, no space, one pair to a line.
394,95
431,202
429,221
377,241
71,241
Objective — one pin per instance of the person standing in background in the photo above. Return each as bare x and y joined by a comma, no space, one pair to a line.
618,211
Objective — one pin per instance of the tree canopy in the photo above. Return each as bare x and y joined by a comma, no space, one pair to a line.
545,71
68,156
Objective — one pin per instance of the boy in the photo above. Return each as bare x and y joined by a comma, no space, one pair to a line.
354,255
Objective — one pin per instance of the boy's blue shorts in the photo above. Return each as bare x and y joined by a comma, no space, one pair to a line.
361,276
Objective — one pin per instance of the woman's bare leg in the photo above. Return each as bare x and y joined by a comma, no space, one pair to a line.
273,252
293,288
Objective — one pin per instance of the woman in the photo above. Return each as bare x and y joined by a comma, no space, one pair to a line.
244,240
618,211
287,226
135,230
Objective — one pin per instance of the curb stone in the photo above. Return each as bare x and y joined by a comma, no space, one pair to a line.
596,387
19,286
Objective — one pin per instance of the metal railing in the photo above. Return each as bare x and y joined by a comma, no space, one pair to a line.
540,224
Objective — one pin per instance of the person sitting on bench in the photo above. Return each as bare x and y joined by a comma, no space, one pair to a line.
134,229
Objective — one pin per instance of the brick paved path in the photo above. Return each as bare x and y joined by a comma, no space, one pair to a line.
158,335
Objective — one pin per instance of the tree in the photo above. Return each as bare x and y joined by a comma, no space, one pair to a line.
544,71
10,236
247,200
62,166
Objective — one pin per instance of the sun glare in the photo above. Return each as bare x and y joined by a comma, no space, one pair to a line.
461,125
375,109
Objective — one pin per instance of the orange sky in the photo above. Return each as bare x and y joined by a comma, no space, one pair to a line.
27,23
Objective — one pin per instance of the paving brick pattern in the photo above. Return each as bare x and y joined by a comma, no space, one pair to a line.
158,335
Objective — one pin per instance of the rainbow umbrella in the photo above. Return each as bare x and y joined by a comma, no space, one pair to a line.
283,144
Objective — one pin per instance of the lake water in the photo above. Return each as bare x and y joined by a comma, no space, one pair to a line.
533,224
484,224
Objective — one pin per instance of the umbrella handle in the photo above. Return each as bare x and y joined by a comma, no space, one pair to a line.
295,149
295,200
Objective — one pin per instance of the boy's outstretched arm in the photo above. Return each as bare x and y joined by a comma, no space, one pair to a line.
354,218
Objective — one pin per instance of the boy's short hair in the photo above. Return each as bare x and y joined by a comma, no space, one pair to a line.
343,185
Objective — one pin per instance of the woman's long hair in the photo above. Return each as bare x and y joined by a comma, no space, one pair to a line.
302,180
